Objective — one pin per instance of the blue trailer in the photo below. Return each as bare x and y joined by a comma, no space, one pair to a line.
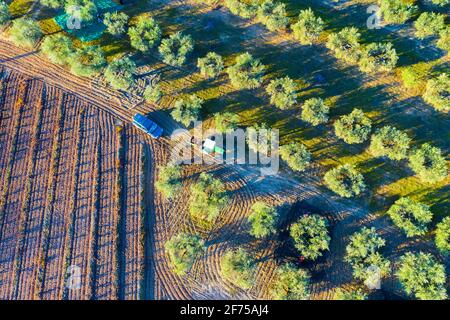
147,125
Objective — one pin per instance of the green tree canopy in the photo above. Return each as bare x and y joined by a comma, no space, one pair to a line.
412,76
421,276
444,39
391,142
120,73
362,253
211,65
153,93
25,32
357,294
169,183
260,138
87,61
397,11
310,235
345,44
308,27
58,48
241,8
208,198
315,111
175,49
437,93
226,122
443,235
441,3
273,15
183,249
247,72
354,127
54,4
282,92
238,267
410,216
263,220
296,155
146,33
345,180
116,23
290,283
187,110
378,57
5,16
85,10
429,24
428,163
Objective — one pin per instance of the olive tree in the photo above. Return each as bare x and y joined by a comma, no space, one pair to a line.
263,220
241,8
354,127
175,49
187,110
153,93
410,216
183,249
397,11
428,163
247,72
85,10
58,48
345,44
260,138
5,16
116,23
169,182
357,294
208,198
273,15
296,155
315,111
437,93
310,235
308,27
226,122
282,92
54,4
145,34
87,61
211,65
25,32
120,73
442,239
363,254
290,283
238,267
345,180
390,142
422,277
429,24
378,57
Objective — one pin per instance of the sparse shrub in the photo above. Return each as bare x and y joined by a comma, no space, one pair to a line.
120,73
397,11
87,61
238,267
183,249
391,142
308,27
226,122
187,110
175,49
378,57
290,283
282,92
296,155
85,10
428,163
153,93
354,127
345,44
5,16
315,111
211,65
146,33
438,93
240,8
168,182
208,198
273,15
25,32
116,23
357,294
58,48
345,180
429,24
362,253
247,72
442,235
310,235
410,216
422,277
263,220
